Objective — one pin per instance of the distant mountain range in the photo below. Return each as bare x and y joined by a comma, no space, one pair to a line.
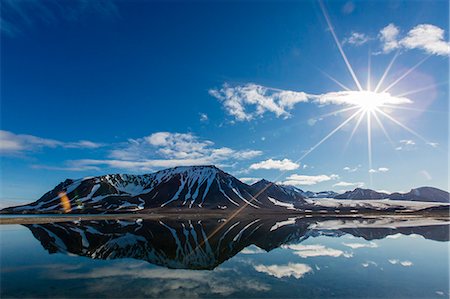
426,194
193,187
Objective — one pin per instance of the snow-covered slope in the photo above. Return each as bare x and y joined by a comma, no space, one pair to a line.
282,193
196,187
179,187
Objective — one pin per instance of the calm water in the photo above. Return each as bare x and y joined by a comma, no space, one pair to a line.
251,257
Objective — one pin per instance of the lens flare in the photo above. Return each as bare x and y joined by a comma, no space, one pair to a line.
65,202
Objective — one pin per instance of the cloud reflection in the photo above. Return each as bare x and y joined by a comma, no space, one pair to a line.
280,271
316,250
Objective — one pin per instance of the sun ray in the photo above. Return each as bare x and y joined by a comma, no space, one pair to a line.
383,129
358,122
329,135
238,211
368,71
386,71
335,80
338,44
405,74
338,111
402,125
369,144
409,108
421,89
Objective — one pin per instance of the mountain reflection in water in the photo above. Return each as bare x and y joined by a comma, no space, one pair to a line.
205,244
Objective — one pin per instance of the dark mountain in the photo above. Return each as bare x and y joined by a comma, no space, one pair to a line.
429,194
192,188
181,187
425,194
279,192
360,193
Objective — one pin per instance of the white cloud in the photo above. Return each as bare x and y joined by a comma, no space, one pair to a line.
306,251
408,142
426,37
388,36
380,169
204,117
348,184
163,150
352,97
280,271
406,145
306,180
284,164
356,39
351,169
262,99
395,236
403,263
247,154
368,263
178,146
247,102
361,245
12,143
249,180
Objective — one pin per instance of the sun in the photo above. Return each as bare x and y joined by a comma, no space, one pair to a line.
370,104
370,101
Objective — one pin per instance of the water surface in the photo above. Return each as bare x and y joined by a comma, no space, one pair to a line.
218,257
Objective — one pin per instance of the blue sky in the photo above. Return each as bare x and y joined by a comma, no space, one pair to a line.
118,87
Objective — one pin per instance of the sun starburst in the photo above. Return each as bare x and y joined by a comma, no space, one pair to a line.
369,103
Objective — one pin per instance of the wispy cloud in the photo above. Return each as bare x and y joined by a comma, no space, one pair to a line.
20,16
351,169
284,164
250,101
369,263
280,271
406,145
380,169
402,263
174,284
426,37
165,149
204,117
361,245
307,180
356,39
11,143
348,184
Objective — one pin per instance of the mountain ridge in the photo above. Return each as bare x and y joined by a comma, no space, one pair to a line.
191,187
